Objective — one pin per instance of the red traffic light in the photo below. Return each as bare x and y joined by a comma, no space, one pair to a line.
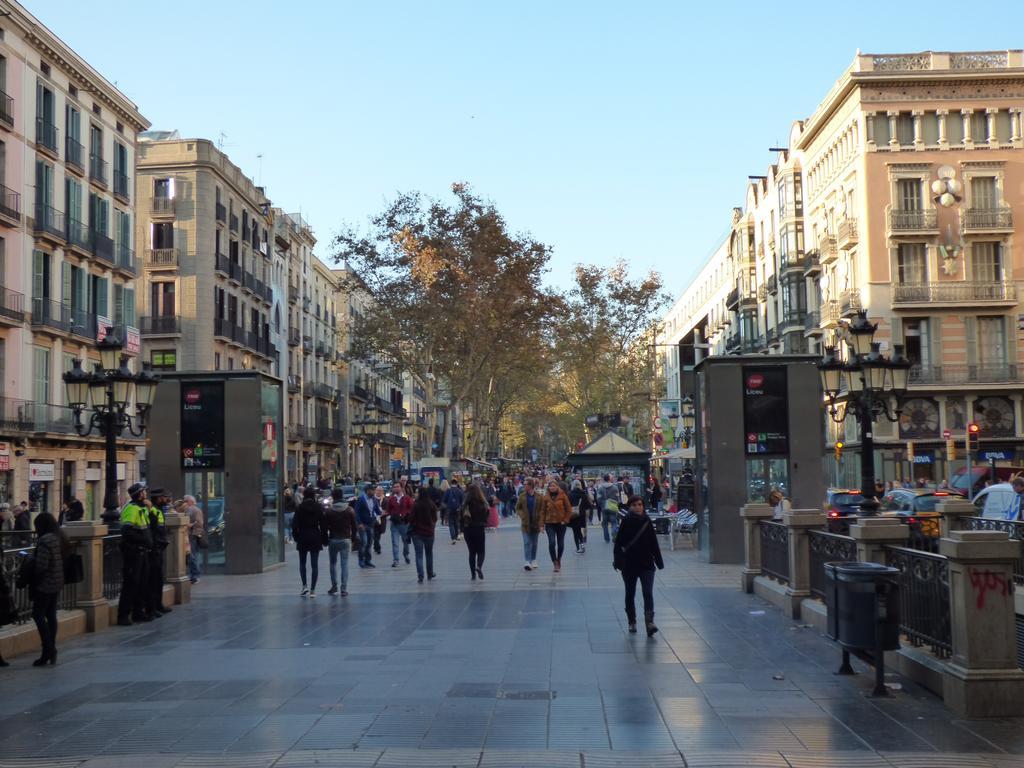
973,428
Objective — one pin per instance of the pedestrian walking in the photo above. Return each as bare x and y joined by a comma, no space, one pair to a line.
364,525
608,497
289,512
197,536
23,522
779,503
493,515
340,524
424,522
136,543
47,581
155,581
555,515
635,556
380,520
654,494
398,509
437,496
528,509
308,531
453,500
475,512
580,508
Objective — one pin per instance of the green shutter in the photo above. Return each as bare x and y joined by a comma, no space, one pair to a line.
971,332
65,284
118,304
129,306
102,307
39,274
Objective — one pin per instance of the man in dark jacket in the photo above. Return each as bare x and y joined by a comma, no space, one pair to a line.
364,525
340,522
636,554
308,530
155,592
453,499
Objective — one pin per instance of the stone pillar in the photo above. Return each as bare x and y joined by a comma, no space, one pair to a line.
951,512
894,142
869,132
918,134
990,117
88,536
175,568
1015,127
799,521
982,678
943,139
965,115
873,533
752,514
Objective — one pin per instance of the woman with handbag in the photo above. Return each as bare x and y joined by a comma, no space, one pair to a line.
474,522
636,554
52,549
309,533
555,513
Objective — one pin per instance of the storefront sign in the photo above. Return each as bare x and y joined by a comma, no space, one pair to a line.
133,341
41,473
202,425
103,325
765,410
1004,455
924,457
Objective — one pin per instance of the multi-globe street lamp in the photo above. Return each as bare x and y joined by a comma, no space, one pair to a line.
869,379
107,393
370,432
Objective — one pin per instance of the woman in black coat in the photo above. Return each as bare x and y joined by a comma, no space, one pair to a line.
308,531
636,554
47,582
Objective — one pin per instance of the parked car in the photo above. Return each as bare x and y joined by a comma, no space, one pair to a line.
997,502
917,508
841,503
981,474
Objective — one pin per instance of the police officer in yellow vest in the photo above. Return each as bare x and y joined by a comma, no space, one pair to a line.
136,543
155,587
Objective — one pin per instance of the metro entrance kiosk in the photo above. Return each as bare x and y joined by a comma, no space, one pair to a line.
612,454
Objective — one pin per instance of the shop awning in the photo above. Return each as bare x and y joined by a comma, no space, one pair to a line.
483,464
678,453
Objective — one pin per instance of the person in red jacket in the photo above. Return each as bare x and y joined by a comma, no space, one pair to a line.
398,507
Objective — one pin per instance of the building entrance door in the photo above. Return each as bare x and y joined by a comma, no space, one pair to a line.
208,488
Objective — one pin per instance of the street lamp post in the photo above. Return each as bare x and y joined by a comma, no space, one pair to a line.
869,379
107,392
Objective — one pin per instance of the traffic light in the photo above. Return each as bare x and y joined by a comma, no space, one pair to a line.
951,450
910,451
973,431
839,450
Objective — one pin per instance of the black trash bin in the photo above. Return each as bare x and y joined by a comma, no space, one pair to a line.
863,610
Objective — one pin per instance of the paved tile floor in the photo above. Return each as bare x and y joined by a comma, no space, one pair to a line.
522,669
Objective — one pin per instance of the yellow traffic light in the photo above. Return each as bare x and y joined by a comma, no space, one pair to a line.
839,449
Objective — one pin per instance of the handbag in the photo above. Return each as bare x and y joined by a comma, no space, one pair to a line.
201,542
74,569
26,572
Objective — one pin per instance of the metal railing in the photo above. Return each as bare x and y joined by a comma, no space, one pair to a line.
848,230
121,184
775,550
12,304
51,314
162,257
849,301
49,221
233,222
988,218
154,325
103,247
97,168
293,292
46,134
112,566
1014,528
924,598
294,383
67,599
6,109
910,221
10,203
73,152
954,291
989,373
78,235
221,263
163,205
294,337
221,212
827,548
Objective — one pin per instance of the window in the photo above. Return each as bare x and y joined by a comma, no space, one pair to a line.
979,127
40,275
161,299
163,235
983,193
124,305
69,363
73,129
99,296
216,361
218,303
991,341
911,267
41,375
44,183
905,129
120,169
909,194
986,262
99,214
917,339
73,199
163,360
95,142
163,189
122,230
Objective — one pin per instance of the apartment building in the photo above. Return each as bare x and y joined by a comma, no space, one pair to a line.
896,197
67,257
376,442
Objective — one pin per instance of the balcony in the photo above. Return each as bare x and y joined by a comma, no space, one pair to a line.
222,265
328,435
73,154
830,314
294,339
294,384
307,345
248,281
83,323
46,136
985,373
6,110
221,213
16,415
772,337
812,324
51,315
384,405
49,223
224,328
321,349
125,259
162,206
10,206
849,302
323,391
773,284
359,392
103,248
121,190
98,170
828,251
988,220
293,293
955,292
923,222
159,258
732,301
78,236
791,319
47,417
233,223
160,325
812,263
732,344
12,307
847,233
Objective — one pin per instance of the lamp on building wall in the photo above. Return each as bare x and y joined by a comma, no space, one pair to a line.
107,393
687,419
869,380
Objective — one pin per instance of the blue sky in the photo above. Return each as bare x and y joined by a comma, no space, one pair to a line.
607,130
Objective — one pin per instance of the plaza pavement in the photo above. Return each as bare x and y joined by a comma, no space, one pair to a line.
523,669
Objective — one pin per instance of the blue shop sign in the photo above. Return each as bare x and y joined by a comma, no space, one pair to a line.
924,457
1006,454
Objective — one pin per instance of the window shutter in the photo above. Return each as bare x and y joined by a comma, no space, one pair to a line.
118,304
38,275
971,332
935,340
129,306
65,284
897,331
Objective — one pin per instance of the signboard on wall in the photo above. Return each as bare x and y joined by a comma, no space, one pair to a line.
765,410
40,472
202,425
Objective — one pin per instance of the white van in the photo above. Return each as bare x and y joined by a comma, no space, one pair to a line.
996,501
